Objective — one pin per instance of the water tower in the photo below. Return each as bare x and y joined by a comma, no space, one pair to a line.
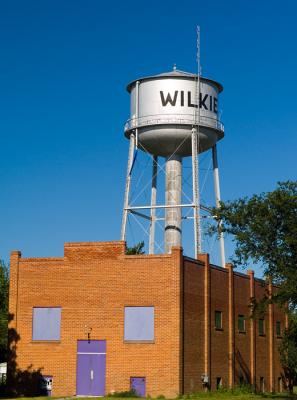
173,115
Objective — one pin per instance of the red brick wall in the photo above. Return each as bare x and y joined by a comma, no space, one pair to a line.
219,338
231,353
193,325
242,358
93,283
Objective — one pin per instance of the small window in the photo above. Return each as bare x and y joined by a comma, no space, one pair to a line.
262,384
241,324
261,327
219,382
278,328
218,320
46,323
139,324
279,384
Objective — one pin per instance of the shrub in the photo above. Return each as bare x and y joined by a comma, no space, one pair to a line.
127,393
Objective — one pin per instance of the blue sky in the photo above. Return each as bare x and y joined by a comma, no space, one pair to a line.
64,66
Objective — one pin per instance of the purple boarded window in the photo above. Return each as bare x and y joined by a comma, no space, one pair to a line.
138,385
46,323
139,323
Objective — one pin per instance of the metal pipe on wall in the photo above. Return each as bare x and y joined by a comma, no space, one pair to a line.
153,203
127,187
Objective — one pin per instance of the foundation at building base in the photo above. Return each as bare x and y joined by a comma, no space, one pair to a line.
97,321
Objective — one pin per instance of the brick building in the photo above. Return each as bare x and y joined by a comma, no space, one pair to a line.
97,321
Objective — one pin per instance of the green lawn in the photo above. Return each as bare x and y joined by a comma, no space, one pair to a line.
205,396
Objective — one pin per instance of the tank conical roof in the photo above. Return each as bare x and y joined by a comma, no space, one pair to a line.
175,73
178,72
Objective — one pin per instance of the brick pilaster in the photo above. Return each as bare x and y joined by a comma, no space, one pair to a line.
177,252
271,339
207,298
231,340
252,331
14,288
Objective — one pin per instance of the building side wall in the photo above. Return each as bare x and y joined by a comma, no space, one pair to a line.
93,283
219,338
278,371
193,325
235,357
262,348
242,353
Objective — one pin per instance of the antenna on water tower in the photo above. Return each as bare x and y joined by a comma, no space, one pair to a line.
195,156
174,115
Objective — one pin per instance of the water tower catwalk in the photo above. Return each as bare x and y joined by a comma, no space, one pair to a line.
173,115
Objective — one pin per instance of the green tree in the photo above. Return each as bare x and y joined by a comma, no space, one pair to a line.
288,353
264,228
137,249
4,286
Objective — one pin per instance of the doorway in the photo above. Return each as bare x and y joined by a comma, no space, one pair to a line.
91,368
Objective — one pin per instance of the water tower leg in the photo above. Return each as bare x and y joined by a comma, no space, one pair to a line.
196,197
128,184
153,203
173,197
218,199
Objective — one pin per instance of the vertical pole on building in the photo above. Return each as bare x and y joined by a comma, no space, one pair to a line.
153,203
196,199
127,187
218,199
195,153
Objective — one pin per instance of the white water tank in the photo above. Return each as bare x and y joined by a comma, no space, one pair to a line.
164,108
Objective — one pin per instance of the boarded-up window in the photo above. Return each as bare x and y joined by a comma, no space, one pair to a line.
46,323
139,323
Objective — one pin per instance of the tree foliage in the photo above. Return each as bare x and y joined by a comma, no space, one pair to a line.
137,249
4,286
288,353
264,228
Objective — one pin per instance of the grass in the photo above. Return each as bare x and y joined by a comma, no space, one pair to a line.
219,395
224,394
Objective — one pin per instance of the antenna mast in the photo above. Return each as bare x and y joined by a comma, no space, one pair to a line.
195,156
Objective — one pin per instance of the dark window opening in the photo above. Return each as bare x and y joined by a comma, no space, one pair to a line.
241,324
278,328
218,320
261,327
279,384
262,384
219,382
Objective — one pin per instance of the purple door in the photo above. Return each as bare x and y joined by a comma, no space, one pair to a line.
138,384
91,364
